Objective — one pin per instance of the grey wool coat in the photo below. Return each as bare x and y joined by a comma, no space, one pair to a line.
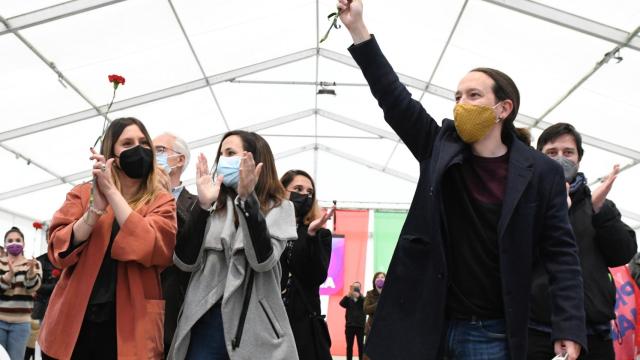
220,272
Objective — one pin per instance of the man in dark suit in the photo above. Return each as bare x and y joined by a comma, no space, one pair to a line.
485,206
173,156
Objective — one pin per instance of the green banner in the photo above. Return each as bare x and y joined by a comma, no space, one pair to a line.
386,230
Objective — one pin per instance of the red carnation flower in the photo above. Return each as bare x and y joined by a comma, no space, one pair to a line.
37,225
55,273
116,80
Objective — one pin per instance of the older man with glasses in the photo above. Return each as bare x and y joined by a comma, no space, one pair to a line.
172,154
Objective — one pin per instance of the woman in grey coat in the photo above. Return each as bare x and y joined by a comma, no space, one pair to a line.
237,232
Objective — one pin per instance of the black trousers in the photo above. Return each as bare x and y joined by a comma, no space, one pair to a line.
541,347
358,333
96,341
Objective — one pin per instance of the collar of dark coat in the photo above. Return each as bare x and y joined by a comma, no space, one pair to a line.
185,202
453,150
582,193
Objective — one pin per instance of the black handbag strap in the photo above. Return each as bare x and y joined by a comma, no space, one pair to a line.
235,342
316,318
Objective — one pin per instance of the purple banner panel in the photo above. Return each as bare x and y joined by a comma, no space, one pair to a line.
335,277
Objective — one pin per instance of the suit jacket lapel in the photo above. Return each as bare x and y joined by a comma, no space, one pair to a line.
446,153
184,202
519,174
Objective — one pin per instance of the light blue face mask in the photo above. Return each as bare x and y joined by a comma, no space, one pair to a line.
229,167
163,161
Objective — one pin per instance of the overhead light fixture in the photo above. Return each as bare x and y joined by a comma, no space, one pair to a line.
325,91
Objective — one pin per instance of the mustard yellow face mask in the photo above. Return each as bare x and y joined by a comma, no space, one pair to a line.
473,122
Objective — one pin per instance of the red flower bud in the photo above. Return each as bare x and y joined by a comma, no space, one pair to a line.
116,79
55,273
37,225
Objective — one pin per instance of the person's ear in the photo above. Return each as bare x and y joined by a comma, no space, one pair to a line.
505,109
181,160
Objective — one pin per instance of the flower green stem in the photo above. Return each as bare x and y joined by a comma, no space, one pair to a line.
101,138
334,24
104,124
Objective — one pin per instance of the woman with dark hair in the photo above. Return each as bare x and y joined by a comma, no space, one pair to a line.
111,238
487,207
19,279
305,263
236,234
371,300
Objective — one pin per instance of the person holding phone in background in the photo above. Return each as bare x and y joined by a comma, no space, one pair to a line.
355,318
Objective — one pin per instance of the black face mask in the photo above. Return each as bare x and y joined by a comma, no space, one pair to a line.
136,162
302,203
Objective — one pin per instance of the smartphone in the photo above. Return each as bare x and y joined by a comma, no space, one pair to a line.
564,356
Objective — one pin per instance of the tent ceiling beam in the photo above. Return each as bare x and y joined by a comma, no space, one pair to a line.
571,21
294,151
51,65
244,71
358,125
277,156
369,164
602,144
315,91
197,60
294,57
522,118
18,215
407,80
29,161
444,49
631,215
338,153
216,138
204,142
291,82
52,13
354,137
254,128
85,175
70,179
531,8
605,59
158,95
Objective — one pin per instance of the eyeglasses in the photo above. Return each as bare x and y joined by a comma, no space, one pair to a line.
163,149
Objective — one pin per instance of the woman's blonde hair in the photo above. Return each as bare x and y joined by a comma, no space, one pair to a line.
150,186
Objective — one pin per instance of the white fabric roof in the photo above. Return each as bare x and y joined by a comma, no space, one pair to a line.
200,67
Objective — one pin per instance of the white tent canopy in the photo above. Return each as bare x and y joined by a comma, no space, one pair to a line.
198,68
